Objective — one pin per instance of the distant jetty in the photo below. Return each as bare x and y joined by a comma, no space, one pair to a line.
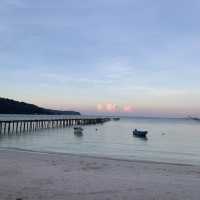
9,127
9,106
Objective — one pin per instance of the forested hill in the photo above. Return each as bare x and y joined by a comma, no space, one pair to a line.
8,106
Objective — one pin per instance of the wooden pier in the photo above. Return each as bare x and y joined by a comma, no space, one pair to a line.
9,127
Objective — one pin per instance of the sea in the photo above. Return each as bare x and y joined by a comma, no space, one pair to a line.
168,140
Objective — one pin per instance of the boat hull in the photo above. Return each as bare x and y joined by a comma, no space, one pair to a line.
78,129
140,133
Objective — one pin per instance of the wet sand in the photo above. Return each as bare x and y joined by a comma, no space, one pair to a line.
38,176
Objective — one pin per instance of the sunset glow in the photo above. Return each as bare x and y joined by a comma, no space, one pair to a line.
128,108
121,57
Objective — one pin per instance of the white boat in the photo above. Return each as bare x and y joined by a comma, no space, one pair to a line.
140,133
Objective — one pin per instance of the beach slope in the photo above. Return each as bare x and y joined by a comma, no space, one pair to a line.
37,176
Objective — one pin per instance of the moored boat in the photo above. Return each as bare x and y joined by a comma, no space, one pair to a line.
116,118
78,131
78,128
140,133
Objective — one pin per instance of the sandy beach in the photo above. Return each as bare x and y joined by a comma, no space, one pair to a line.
42,176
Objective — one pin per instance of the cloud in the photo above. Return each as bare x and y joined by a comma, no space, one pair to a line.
110,107
100,107
114,108
128,109
107,107
16,3
63,78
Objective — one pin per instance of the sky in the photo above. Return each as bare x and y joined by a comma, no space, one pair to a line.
119,57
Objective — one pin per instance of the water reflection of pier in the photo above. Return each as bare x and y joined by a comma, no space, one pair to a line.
9,127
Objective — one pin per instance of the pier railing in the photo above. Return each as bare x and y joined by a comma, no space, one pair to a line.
8,127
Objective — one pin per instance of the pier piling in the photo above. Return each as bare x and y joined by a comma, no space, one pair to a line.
9,127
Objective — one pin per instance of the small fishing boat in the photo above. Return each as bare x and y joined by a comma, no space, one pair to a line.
78,130
140,133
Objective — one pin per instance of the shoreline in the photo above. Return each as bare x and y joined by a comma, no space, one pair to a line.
96,157
33,175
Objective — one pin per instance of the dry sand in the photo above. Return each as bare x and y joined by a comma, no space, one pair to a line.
35,176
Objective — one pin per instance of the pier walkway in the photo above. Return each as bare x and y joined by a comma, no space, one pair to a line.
8,127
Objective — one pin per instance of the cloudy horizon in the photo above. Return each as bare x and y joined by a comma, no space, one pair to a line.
137,58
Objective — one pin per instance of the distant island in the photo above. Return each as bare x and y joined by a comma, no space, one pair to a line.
9,106
194,118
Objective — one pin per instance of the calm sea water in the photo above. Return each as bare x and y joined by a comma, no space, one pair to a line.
169,140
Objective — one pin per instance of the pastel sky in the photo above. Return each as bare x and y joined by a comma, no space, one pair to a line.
129,57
